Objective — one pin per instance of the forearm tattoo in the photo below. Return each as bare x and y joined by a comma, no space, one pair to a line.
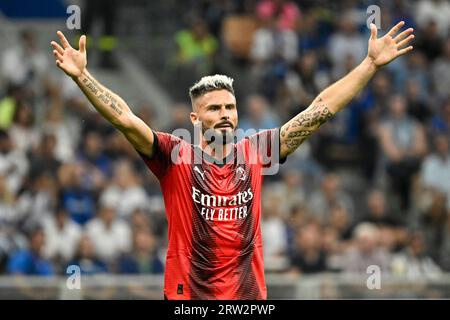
103,95
300,128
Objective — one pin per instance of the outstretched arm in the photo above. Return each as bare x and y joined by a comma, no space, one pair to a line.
381,51
108,104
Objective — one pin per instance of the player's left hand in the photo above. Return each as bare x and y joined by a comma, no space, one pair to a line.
390,46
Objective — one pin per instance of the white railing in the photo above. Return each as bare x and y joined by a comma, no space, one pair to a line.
322,286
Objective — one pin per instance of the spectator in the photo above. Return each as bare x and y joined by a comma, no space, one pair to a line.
76,198
140,220
309,256
143,259
435,171
304,81
403,144
37,200
31,261
93,156
196,47
391,227
101,13
44,157
434,224
274,234
430,42
378,212
8,200
440,123
330,194
440,72
11,240
366,251
340,222
313,31
374,100
305,164
65,133
345,43
342,143
418,107
11,237
290,189
298,217
24,135
444,257
271,43
271,53
285,14
180,120
415,68
13,163
333,248
436,10
414,261
24,63
391,240
62,236
258,114
87,259
125,193
110,236
8,105
97,166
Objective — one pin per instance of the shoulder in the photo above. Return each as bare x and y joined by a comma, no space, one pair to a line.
48,223
430,160
121,226
263,136
164,139
93,225
19,260
73,228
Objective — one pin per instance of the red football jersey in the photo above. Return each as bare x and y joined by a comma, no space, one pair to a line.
214,217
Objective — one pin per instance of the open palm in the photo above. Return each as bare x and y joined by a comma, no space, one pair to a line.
71,61
390,46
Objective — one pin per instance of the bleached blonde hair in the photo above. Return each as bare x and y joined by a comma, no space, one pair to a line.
211,83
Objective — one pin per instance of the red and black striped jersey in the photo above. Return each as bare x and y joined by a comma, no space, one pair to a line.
214,217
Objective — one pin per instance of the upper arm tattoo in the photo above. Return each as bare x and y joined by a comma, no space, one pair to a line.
301,126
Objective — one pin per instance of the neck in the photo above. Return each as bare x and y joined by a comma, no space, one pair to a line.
143,254
218,152
107,224
60,225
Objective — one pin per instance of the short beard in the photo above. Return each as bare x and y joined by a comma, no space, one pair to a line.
211,136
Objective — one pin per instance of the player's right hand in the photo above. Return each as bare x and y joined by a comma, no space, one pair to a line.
71,61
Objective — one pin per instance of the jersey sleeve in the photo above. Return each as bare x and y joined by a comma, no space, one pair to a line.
266,144
165,145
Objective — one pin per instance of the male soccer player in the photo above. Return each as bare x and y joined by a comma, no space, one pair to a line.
212,191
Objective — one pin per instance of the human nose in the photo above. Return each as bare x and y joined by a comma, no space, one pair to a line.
224,113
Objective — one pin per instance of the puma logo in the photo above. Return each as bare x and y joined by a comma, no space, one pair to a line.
202,173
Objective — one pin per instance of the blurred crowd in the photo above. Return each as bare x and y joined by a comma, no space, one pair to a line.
371,187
